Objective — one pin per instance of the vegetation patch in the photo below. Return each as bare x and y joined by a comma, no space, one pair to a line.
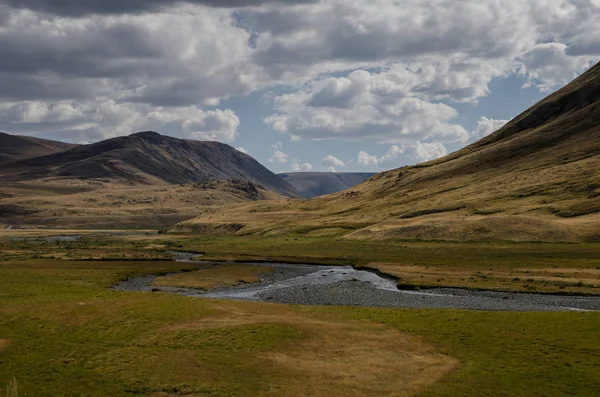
430,211
228,275
4,344
542,280
76,337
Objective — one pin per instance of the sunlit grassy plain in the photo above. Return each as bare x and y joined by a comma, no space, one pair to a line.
63,332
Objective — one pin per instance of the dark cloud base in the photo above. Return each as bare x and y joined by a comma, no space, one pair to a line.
111,7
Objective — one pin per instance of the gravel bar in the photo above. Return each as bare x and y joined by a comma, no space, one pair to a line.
346,286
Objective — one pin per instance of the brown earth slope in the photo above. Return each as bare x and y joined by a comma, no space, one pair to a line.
536,179
15,147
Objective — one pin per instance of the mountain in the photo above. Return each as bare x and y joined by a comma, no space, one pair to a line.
145,158
535,179
313,184
15,147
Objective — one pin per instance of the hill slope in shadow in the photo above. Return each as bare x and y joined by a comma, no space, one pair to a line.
145,158
16,147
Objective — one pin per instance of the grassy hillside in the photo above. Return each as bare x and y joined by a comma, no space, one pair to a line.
119,207
536,179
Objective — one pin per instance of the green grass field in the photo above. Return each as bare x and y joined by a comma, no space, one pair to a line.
64,333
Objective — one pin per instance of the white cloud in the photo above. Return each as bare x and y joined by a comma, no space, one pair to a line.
398,155
241,149
216,125
548,65
365,159
278,157
331,169
427,151
402,65
301,167
376,107
332,161
486,126
92,121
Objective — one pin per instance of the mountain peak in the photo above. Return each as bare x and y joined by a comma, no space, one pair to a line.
147,134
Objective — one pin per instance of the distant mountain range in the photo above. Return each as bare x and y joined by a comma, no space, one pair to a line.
535,179
313,184
144,158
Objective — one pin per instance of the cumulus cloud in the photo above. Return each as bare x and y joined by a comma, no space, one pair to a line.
485,127
332,161
216,125
91,121
241,149
364,107
278,156
548,65
361,70
398,155
151,58
366,159
297,166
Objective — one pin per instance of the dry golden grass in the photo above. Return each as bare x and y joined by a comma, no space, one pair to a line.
549,280
228,275
462,227
520,183
112,206
338,357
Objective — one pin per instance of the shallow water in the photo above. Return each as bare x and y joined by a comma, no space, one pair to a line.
346,286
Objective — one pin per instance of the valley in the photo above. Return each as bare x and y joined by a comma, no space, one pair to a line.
64,325
152,265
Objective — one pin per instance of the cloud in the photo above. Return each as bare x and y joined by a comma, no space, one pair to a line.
548,65
149,58
364,107
278,157
485,127
365,159
92,121
332,161
113,7
301,167
331,169
241,149
404,154
216,125
360,70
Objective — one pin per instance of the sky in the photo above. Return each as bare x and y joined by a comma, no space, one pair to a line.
300,85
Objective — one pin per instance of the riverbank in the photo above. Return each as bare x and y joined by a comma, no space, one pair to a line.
66,333
347,286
